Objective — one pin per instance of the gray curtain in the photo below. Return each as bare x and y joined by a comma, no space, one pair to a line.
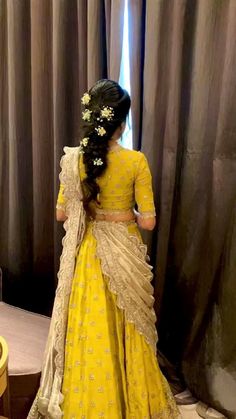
184,102
50,52
186,94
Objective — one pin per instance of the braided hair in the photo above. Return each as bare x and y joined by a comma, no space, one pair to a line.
106,106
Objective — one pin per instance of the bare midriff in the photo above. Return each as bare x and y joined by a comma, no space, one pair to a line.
118,217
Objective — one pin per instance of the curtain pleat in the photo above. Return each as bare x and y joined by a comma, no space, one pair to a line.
137,36
42,142
115,18
16,107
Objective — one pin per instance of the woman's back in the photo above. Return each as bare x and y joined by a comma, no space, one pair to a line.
126,181
103,336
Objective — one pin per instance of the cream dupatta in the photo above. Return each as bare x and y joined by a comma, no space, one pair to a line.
124,264
49,397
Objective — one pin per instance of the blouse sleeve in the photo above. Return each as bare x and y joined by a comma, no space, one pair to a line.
61,201
143,189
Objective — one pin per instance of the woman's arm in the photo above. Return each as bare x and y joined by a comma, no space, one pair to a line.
145,216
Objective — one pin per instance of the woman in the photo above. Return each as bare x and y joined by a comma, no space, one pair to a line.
100,360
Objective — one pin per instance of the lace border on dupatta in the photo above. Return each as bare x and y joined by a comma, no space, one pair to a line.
49,397
123,261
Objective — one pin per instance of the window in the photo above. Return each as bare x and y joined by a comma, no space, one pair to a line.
125,77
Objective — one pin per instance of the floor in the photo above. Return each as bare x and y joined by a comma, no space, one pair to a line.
188,412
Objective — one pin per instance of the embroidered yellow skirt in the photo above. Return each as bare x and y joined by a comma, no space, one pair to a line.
110,370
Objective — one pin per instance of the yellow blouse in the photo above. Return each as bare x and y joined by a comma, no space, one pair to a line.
127,180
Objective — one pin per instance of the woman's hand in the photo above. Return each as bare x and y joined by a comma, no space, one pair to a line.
145,223
60,215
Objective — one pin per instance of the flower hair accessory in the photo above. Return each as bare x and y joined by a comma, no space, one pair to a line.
81,151
107,113
86,115
85,99
84,142
97,162
101,131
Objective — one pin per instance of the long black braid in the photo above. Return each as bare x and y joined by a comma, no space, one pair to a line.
104,94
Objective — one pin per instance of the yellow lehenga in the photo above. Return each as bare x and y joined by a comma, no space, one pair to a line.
110,369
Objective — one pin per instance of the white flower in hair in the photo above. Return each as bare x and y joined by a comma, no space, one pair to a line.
81,151
85,99
86,115
101,131
97,162
107,112
84,141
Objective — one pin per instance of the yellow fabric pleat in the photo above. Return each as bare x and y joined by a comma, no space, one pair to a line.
110,370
